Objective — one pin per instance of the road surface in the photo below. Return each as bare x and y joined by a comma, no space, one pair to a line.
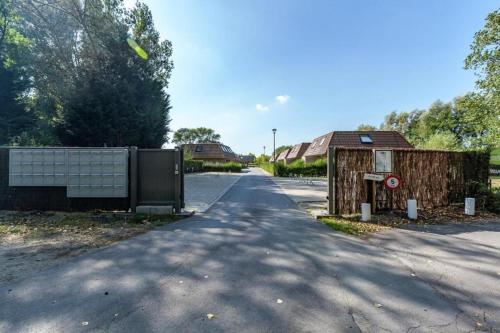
257,264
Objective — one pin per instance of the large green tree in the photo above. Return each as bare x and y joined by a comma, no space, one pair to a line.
14,46
366,127
90,88
281,149
195,135
483,106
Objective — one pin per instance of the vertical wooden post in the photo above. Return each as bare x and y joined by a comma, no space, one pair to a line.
374,196
331,180
133,178
178,182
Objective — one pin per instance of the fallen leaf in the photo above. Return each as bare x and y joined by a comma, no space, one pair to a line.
412,274
279,301
181,281
378,305
210,316
85,323
206,276
116,314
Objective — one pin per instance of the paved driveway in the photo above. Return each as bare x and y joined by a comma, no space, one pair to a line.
202,190
259,264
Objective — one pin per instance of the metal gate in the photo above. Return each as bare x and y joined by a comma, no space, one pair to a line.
156,178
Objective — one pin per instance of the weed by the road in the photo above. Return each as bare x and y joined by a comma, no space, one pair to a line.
31,240
110,226
352,227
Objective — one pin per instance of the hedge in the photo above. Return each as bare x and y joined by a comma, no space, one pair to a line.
298,168
193,166
222,167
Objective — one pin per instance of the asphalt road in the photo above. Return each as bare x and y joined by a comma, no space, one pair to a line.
259,264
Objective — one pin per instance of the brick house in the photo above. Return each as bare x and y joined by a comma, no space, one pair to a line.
356,139
282,156
211,152
296,152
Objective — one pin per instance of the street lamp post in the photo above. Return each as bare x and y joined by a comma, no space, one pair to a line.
264,150
274,152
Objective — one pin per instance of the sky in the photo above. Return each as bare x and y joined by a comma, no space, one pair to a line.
244,67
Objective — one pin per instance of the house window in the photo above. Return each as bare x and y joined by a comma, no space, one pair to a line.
322,140
313,144
365,138
198,149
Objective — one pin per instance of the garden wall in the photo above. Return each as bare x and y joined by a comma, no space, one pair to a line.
433,178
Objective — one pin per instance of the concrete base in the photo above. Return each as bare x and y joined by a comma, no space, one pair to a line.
154,210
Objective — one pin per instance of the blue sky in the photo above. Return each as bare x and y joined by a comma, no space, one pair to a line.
310,67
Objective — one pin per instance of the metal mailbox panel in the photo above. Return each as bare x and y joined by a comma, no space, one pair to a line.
37,167
97,173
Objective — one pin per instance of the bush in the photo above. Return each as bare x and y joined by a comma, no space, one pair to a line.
193,166
222,167
297,168
487,199
267,166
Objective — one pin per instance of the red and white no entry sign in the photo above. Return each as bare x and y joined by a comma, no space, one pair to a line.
392,182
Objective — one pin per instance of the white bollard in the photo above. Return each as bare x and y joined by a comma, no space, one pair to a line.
366,212
412,209
470,206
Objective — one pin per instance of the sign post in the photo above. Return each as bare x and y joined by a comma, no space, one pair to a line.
331,180
392,182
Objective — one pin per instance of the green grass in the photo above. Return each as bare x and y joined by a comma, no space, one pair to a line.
350,226
53,223
495,157
11,229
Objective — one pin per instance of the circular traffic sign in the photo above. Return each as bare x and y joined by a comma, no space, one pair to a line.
392,182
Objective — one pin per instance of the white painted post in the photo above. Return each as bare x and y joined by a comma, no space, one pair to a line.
412,209
366,212
470,206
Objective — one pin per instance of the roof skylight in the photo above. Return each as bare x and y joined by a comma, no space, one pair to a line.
365,138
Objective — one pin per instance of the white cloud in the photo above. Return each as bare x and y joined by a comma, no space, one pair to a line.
282,99
261,108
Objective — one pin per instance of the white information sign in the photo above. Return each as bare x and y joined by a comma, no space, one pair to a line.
371,176
383,160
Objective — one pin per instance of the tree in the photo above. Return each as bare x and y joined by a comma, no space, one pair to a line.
262,159
281,149
195,135
405,123
439,118
89,87
484,58
366,127
442,140
14,118
483,107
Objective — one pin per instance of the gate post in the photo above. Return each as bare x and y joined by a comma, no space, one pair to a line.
133,179
178,180
331,179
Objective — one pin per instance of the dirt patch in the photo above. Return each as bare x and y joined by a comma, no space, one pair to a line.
380,221
33,241
449,214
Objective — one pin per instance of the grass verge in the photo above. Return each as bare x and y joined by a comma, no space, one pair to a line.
352,227
97,228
